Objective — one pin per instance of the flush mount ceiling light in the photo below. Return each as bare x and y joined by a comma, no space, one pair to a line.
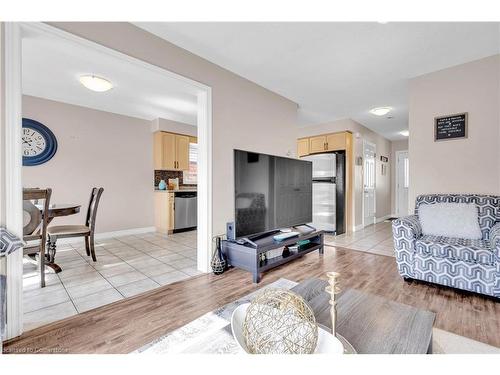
95,83
380,111
405,133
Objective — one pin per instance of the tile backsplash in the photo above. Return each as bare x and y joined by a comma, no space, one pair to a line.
165,175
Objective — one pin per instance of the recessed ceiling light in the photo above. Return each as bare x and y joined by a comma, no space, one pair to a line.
405,133
380,111
95,83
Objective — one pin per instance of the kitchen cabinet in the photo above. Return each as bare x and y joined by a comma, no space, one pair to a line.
322,143
182,152
164,211
317,144
303,147
171,151
335,141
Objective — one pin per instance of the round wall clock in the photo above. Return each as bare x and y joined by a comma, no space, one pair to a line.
39,143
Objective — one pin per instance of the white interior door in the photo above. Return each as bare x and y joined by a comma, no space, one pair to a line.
402,183
369,183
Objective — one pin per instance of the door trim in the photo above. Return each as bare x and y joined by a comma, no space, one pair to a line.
365,143
396,187
12,178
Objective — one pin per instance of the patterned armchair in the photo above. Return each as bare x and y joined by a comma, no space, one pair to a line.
472,265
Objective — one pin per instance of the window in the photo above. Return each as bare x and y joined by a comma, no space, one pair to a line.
190,177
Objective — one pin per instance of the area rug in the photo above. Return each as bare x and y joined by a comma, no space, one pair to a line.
211,334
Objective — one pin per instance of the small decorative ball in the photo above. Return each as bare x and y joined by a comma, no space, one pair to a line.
279,321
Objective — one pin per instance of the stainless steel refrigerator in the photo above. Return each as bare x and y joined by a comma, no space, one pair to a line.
324,191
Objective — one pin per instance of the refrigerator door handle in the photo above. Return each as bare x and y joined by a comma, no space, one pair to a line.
328,180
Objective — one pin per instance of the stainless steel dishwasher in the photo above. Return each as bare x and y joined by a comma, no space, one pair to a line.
186,210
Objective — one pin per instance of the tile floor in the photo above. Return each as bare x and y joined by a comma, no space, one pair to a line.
375,239
125,266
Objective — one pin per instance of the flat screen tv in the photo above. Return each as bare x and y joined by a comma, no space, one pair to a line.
271,192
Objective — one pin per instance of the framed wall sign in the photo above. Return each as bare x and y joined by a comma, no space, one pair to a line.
450,127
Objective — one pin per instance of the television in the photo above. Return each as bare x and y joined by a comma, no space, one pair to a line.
271,192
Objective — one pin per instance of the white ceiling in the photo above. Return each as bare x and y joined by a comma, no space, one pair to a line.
52,66
336,70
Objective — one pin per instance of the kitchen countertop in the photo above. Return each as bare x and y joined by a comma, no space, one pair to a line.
188,190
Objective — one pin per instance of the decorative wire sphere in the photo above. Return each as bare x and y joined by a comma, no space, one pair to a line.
279,321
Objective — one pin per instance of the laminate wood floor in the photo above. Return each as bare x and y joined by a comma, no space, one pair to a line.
126,325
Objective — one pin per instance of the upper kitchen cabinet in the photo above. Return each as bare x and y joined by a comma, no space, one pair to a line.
335,141
322,143
317,144
302,147
171,151
182,152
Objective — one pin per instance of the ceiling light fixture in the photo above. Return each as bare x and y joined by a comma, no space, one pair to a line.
380,111
95,83
405,133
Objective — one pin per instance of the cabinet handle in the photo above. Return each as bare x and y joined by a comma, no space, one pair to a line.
327,145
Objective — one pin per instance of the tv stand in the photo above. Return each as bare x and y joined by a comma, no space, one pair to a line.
247,255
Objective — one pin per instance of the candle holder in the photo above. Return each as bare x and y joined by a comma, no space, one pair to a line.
333,289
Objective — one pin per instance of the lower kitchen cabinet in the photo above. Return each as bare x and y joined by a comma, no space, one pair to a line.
164,211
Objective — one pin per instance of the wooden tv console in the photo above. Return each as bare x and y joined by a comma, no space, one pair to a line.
247,256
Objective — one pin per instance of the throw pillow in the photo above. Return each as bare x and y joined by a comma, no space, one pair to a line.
457,220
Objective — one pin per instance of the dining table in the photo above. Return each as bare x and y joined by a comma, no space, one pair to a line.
57,210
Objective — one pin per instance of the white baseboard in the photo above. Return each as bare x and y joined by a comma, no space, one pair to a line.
104,235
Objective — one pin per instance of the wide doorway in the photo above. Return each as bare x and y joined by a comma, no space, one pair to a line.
101,138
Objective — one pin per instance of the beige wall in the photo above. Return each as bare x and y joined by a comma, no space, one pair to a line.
383,193
401,145
468,165
245,115
96,148
161,124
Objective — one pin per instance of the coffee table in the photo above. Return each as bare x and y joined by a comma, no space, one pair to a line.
371,324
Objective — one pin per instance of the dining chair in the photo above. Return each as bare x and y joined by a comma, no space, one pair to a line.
87,231
35,226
